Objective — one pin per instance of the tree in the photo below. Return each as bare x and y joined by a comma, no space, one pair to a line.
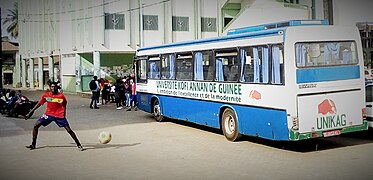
12,18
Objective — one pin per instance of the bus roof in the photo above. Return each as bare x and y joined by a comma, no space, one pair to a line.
241,33
277,25
216,39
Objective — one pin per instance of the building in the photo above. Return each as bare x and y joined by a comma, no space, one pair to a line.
70,41
9,55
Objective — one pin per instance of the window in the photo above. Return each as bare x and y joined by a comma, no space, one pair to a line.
184,67
227,66
208,24
203,66
168,66
277,71
255,60
150,22
256,64
141,70
154,68
312,54
114,21
180,23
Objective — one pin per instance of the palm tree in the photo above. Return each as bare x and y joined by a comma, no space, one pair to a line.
12,18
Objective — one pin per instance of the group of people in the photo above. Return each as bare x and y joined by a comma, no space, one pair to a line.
11,100
122,92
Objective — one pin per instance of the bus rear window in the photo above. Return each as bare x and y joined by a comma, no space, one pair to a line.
313,54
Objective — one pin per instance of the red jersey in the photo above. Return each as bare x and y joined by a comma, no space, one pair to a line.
56,104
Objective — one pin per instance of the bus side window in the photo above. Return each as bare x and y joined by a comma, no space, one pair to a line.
277,64
227,66
168,66
256,68
203,66
154,68
184,67
246,56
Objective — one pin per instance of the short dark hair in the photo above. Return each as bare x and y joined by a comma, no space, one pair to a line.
54,83
95,77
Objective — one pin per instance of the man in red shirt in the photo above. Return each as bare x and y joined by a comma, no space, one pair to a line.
55,111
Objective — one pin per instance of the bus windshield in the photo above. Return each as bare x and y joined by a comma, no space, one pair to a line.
312,54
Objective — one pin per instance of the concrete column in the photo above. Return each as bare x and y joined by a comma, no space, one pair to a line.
141,23
219,20
31,75
17,71
78,73
96,64
168,34
40,70
197,20
24,73
51,68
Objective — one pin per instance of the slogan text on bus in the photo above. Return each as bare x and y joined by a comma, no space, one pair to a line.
206,90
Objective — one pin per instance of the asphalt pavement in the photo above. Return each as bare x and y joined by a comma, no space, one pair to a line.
144,149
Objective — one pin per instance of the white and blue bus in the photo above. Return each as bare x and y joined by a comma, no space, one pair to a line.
285,81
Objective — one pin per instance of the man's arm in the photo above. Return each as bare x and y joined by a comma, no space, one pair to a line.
32,110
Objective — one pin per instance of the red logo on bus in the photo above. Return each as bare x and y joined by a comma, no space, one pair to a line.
327,106
255,95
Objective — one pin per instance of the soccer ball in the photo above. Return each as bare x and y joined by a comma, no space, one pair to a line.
104,137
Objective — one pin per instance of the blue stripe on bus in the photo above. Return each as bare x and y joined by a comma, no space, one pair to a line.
217,39
278,25
322,74
253,121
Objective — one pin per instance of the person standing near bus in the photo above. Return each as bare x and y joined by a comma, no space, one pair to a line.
55,112
133,99
118,91
95,88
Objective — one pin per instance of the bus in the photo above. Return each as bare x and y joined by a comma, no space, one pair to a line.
285,81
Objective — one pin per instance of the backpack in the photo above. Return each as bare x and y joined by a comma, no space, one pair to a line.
92,85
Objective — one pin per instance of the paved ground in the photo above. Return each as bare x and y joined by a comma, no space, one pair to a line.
144,149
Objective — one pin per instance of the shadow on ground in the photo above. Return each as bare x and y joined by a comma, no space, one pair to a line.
91,146
303,146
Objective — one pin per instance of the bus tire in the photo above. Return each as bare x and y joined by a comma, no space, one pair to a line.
157,111
229,125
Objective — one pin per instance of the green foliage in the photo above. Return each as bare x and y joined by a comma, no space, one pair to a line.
12,18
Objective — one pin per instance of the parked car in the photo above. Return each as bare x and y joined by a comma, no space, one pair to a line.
368,101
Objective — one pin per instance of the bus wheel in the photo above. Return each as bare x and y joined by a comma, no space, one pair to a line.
157,111
229,125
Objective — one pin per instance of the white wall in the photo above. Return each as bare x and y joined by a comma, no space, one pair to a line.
209,9
117,39
347,12
267,11
186,9
66,28
39,36
154,37
68,64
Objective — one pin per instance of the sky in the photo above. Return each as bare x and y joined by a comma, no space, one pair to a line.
5,5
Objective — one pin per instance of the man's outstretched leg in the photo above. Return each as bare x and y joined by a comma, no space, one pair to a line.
72,134
35,131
